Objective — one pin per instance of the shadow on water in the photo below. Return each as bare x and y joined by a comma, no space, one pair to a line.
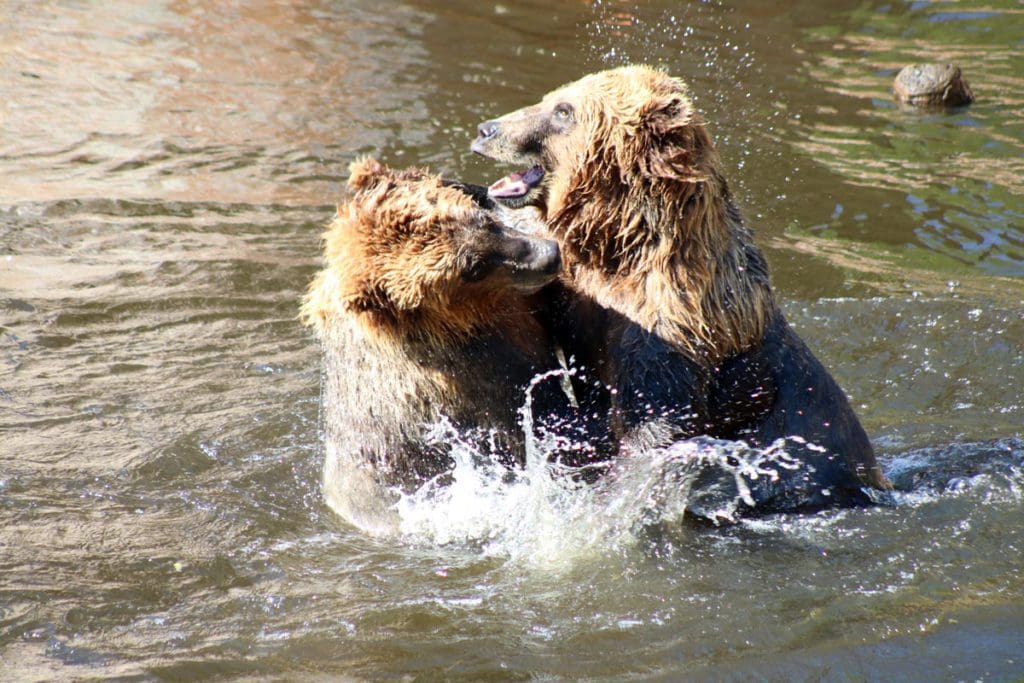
165,171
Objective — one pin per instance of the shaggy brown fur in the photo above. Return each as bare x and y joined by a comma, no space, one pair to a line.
637,199
634,192
423,311
397,257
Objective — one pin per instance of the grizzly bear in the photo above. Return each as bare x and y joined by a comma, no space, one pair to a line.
424,314
671,292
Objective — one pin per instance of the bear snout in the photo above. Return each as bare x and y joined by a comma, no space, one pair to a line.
530,262
547,257
540,265
485,133
535,254
487,129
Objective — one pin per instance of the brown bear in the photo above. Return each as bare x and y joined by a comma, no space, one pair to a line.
670,300
424,313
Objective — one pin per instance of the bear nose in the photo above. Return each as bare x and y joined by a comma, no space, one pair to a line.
547,257
487,129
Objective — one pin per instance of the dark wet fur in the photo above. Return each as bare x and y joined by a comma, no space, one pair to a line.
378,404
773,391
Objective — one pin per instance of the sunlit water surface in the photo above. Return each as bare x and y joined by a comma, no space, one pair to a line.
165,171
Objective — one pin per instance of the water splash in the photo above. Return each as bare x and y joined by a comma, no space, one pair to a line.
545,515
993,470
716,50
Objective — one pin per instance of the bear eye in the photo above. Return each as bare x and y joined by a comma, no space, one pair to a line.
476,270
563,111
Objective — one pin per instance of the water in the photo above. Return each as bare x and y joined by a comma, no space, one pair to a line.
165,172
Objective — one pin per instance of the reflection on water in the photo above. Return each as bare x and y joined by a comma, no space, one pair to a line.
165,172
956,178
193,101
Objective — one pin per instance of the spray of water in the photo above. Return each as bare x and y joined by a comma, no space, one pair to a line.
545,515
714,48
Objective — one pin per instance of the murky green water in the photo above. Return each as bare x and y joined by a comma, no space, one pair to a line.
165,170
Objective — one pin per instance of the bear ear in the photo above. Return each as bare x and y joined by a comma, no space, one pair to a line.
368,296
365,172
675,140
663,115
372,297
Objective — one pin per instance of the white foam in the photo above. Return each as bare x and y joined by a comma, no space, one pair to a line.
545,516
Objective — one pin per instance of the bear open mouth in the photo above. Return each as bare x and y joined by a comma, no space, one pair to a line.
517,184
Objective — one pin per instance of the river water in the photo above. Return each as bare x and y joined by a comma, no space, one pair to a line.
165,171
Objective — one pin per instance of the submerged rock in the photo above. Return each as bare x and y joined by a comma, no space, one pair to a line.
932,85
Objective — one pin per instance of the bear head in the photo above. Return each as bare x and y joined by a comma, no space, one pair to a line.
599,134
628,178
408,255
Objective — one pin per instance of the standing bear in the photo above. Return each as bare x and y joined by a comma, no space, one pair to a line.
669,289
424,312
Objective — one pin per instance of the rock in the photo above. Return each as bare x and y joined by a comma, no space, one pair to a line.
932,85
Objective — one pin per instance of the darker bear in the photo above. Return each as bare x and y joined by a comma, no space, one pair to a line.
683,324
424,313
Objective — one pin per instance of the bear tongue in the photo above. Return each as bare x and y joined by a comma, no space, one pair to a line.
516,184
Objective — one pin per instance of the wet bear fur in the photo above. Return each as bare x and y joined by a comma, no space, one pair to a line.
425,311
666,294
